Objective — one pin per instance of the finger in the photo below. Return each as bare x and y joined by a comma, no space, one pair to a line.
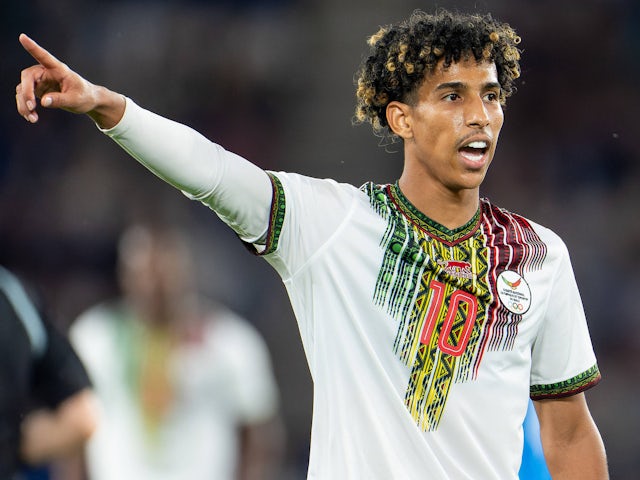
24,108
43,57
51,100
28,78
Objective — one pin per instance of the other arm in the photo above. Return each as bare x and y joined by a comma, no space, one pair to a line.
49,434
261,450
67,408
571,442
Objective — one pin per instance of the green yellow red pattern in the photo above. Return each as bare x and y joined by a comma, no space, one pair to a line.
412,260
278,209
576,384
424,269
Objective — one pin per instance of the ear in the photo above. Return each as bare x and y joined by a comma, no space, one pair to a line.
399,119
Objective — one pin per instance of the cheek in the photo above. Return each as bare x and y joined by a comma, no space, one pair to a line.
440,127
496,135
498,120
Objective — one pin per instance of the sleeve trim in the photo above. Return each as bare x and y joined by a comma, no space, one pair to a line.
276,218
566,388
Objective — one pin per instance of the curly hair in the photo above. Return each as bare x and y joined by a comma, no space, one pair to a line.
402,54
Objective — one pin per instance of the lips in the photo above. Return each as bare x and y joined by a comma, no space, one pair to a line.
474,151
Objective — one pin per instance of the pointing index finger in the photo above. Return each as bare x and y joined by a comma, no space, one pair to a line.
43,57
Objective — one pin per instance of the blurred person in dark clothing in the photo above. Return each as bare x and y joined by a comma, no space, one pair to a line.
47,407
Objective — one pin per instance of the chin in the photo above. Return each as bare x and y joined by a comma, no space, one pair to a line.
472,180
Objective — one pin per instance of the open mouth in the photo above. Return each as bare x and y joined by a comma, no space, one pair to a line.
474,151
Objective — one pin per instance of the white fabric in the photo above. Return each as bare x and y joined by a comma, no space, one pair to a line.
221,382
329,254
329,257
191,163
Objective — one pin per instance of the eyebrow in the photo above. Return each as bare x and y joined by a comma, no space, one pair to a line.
462,86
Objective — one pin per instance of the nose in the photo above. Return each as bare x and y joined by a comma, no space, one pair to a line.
476,113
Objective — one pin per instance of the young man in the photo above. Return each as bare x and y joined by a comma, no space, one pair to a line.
428,315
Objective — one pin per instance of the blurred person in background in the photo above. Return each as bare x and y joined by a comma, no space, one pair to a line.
47,407
186,385
429,316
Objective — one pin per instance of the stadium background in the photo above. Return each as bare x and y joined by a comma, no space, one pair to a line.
273,80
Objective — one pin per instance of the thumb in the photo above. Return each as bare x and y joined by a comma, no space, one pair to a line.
51,100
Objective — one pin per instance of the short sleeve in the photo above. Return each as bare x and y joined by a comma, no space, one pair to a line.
58,373
306,213
563,360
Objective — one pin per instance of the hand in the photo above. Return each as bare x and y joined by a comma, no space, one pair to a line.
58,86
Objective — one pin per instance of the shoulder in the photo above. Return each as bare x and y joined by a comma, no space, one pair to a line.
99,321
17,305
13,289
294,182
228,333
99,333
318,206
519,227
229,326
6,278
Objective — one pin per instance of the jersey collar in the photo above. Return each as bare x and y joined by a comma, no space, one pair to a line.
429,226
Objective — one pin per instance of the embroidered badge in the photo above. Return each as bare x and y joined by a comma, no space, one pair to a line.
457,269
514,292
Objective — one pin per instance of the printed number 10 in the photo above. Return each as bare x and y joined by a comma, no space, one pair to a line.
457,298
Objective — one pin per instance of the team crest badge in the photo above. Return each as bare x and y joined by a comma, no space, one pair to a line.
514,292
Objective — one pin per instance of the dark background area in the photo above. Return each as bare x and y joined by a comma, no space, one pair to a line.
273,81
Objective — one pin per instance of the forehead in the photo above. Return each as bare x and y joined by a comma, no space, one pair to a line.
465,73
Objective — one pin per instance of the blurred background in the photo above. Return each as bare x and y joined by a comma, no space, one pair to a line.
273,80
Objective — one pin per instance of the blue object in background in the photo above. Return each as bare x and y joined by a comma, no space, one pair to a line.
534,466
34,473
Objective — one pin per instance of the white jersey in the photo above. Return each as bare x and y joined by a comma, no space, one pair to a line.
218,379
424,343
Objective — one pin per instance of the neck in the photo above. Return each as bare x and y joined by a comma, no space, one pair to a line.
170,313
449,208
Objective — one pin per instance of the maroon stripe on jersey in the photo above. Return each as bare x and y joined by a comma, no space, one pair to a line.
514,245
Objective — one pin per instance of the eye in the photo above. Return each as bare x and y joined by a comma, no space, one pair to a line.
451,97
492,97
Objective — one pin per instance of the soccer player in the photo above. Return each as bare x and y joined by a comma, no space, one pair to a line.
186,384
428,315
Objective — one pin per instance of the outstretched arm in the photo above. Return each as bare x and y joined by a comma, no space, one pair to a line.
238,191
571,442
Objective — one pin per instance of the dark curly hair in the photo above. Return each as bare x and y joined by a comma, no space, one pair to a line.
402,54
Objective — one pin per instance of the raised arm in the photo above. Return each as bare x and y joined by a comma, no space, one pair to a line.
571,442
237,190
